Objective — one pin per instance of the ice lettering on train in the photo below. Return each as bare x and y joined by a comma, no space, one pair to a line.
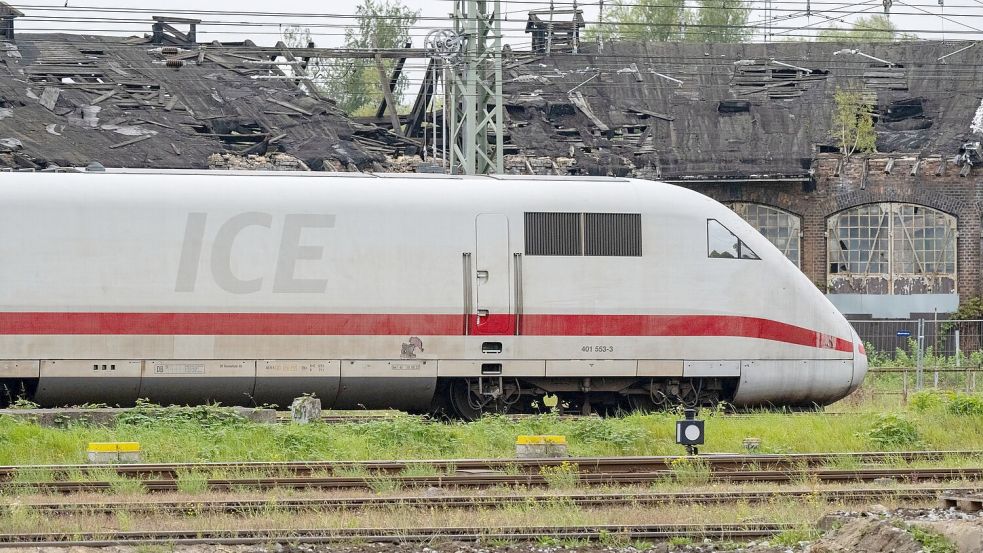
290,252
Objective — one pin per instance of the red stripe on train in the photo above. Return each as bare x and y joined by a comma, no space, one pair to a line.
323,324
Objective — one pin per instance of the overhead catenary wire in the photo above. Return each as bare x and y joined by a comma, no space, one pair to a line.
948,73
335,16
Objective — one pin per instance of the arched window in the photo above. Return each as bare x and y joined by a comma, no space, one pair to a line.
778,226
892,248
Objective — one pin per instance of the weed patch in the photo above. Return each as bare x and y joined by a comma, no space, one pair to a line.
564,476
893,430
931,542
192,482
795,536
691,471
202,416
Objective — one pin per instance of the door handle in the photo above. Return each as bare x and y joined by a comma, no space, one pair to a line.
483,275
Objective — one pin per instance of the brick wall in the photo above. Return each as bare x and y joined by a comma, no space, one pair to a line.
840,186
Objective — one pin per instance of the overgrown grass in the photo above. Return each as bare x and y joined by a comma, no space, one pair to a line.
932,421
931,541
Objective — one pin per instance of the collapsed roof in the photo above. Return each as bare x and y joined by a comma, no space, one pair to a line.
736,110
164,102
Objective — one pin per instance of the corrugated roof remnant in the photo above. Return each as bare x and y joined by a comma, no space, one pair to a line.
69,99
678,111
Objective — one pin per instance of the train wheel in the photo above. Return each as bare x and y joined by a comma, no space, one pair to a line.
469,404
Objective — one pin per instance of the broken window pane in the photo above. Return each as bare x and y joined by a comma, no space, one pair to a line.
892,248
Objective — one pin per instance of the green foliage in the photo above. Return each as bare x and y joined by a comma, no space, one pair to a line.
691,471
926,400
893,430
853,122
875,28
21,403
877,358
606,431
953,403
720,21
564,476
202,416
931,541
965,404
126,486
680,541
192,482
184,439
970,309
354,83
673,21
795,536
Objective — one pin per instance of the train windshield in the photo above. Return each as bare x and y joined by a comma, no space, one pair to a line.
724,244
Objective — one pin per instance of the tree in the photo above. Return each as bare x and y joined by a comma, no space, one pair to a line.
720,21
354,83
672,21
876,28
661,21
853,122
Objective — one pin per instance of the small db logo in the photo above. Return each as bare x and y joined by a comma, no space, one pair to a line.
826,341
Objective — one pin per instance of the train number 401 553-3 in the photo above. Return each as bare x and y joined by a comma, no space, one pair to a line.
597,349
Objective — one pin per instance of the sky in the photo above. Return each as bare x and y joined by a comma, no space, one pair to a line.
957,19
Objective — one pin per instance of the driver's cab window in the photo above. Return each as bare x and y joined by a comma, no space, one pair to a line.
724,244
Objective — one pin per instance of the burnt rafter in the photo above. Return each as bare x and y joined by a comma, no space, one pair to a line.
734,111
131,102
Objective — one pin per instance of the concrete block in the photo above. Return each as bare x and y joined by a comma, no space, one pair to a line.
305,409
538,447
258,416
114,452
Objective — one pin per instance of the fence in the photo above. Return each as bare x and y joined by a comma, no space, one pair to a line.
944,354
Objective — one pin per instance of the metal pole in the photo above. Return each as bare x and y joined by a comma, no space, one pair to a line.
443,123
476,90
919,358
904,386
935,341
959,357
600,27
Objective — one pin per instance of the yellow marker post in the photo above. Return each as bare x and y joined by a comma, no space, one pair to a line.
532,447
114,452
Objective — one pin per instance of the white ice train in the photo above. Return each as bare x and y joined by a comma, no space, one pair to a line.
406,291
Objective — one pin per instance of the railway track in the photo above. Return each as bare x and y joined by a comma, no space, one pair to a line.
195,507
394,535
584,465
530,480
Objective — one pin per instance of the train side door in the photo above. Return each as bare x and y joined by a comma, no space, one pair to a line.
493,315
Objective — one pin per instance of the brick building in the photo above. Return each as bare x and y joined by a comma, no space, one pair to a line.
884,237
887,235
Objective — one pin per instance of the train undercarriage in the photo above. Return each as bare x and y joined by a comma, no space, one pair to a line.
470,398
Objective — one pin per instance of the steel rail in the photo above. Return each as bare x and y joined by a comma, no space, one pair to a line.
392,535
197,507
602,465
495,479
